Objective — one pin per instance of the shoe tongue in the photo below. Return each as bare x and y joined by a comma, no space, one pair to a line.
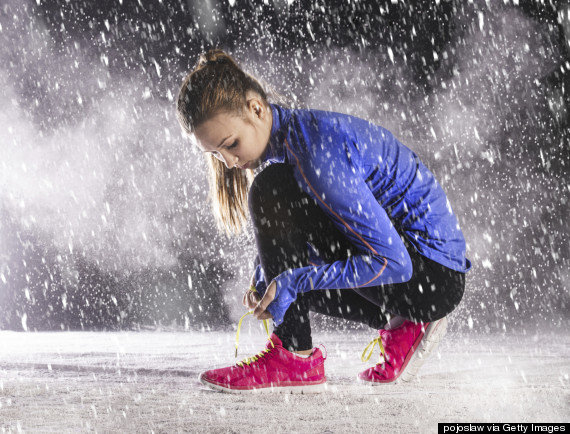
276,341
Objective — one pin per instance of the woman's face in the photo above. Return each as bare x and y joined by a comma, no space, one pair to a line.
238,141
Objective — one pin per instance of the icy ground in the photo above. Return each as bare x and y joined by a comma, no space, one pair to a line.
147,382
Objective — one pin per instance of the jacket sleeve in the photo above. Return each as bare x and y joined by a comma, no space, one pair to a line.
330,172
259,280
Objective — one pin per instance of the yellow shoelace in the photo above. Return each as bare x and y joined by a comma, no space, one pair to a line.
249,360
371,346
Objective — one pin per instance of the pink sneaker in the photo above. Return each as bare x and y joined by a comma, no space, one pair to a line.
274,369
405,349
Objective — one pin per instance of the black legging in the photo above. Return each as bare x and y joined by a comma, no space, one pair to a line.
285,218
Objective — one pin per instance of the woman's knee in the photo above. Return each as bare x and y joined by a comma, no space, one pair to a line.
275,183
265,185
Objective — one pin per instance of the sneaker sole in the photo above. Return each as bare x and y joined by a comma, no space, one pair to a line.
303,389
435,331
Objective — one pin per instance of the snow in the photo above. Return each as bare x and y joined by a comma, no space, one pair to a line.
147,382
104,223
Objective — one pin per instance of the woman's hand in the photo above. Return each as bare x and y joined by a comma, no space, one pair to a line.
260,312
251,299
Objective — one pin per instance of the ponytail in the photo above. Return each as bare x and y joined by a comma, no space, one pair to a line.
228,195
217,84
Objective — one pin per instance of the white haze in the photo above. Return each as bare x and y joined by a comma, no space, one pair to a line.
93,161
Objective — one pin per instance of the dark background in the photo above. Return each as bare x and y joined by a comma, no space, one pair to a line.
104,222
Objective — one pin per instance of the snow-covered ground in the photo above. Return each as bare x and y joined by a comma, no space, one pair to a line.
147,382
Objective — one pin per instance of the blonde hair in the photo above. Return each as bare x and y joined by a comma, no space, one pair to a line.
218,85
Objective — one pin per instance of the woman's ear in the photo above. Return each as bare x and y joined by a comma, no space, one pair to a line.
257,107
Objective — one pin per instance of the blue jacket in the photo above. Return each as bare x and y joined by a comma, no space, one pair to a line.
374,189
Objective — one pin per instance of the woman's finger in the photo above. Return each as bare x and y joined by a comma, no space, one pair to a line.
252,299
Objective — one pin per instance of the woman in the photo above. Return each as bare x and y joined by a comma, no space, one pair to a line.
348,222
